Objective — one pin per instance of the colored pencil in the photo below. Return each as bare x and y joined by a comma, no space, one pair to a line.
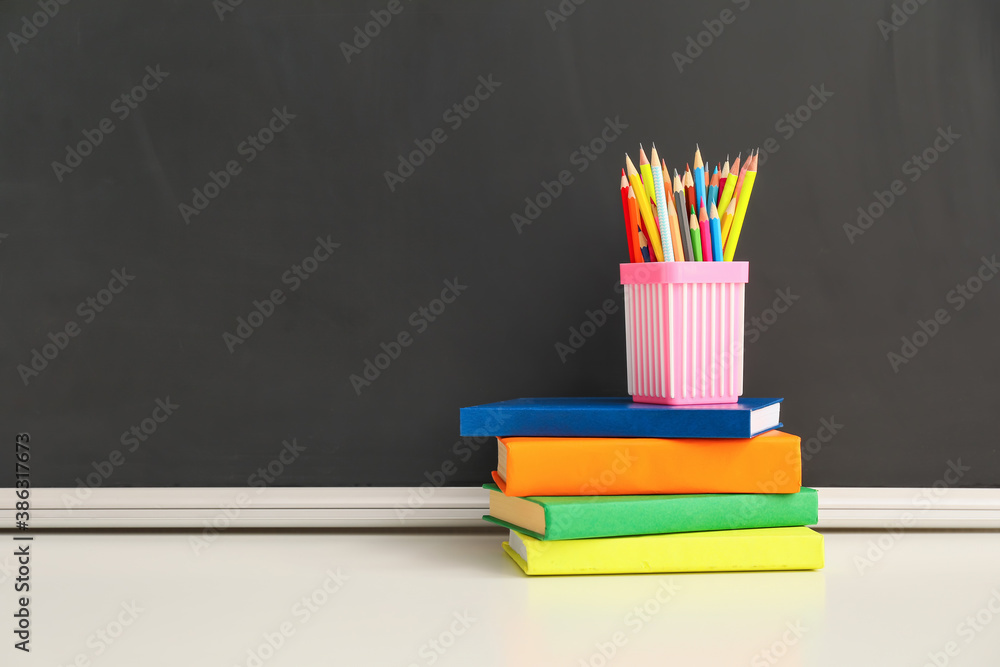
682,217
741,208
727,221
713,190
644,248
676,230
644,209
628,220
695,236
739,181
727,192
722,180
634,222
706,235
689,197
699,179
675,227
716,232
667,238
646,172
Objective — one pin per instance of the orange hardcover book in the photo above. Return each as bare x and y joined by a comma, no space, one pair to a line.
768,463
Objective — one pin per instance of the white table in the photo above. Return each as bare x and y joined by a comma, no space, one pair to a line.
453,598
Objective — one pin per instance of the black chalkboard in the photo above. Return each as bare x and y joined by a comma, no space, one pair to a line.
216,214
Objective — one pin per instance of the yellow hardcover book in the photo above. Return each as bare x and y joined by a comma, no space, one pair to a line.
794,548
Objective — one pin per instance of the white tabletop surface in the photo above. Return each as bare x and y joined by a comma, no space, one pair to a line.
453,598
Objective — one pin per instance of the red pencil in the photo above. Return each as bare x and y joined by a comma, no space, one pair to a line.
629,233
689,187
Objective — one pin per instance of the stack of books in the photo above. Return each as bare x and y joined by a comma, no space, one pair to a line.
606,485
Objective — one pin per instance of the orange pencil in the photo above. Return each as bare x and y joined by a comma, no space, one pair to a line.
634,222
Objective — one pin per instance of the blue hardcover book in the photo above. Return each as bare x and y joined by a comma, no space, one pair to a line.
619,417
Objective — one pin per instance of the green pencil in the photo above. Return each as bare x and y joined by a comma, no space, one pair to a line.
695,235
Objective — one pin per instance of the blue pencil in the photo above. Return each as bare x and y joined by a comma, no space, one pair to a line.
713,187
699,180
716,229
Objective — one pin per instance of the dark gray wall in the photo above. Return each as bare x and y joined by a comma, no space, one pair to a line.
887,95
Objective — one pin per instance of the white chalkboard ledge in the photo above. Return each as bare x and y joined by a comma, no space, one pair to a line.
385,507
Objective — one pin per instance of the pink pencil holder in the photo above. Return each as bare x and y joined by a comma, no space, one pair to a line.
684,331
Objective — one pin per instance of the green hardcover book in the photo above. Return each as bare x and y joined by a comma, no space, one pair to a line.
579,517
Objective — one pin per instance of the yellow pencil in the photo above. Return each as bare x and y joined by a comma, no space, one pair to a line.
644,210
741,209
646,172
727,220
727,192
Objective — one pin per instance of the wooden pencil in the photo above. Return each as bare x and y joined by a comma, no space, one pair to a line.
695,236
663,210
646,213
699,180
722,180
628,220
635,222
741,208
689,196
727,193
706,235
682,217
